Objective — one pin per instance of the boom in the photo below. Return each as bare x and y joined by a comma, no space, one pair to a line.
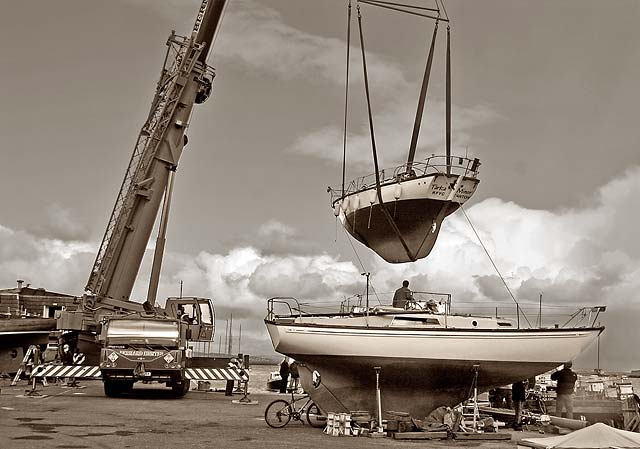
185,79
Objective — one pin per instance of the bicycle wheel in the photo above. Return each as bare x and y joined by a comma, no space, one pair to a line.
277,414
314,416
542,406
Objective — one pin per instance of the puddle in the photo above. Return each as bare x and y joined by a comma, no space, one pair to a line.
124,433
41,428
33,437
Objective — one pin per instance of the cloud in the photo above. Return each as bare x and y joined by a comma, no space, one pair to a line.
393,126
53,264
258,37
583,256
58,223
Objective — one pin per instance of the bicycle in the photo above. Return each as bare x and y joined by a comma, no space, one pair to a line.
279,412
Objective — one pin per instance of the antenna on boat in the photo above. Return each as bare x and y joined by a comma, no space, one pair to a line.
367,274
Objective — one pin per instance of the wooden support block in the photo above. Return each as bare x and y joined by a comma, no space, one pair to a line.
405,426
392,425
420,436
481,436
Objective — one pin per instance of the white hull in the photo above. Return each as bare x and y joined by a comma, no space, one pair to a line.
545,346
421,368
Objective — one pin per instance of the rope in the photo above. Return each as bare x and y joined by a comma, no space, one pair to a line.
385,212
421,100
493,263
371,287
346,100
444,8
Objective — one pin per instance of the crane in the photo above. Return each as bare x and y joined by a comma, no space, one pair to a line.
142,341
185,80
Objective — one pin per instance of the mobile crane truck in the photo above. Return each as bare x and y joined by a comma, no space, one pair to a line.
142,341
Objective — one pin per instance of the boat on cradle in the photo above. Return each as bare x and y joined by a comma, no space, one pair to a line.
416,200
426,359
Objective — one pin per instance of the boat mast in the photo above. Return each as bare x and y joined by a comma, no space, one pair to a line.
448,100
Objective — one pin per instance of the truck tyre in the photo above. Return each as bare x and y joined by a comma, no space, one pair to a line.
181,388
112,389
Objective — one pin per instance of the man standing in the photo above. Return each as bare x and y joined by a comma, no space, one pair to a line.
564,391
295,376
518,396
402,295
284,375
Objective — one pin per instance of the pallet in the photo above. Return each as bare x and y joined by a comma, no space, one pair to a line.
420,435
481,436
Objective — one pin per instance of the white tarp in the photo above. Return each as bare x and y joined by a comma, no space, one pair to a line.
597,436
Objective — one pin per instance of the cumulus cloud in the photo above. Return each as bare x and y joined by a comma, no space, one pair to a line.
57,223
258,37
582,256
53,264
393,126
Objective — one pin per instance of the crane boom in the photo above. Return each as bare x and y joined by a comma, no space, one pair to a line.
185,79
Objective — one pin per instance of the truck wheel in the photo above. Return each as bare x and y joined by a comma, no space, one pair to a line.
112,389
182,388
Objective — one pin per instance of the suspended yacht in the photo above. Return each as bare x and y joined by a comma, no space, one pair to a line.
404,226
398,213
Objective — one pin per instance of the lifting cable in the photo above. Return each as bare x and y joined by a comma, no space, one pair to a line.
448,87
349,239
385,212
346,100
494,265
421,100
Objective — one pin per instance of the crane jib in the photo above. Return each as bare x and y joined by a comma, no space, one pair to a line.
200,16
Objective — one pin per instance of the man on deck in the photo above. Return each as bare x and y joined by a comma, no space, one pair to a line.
402,295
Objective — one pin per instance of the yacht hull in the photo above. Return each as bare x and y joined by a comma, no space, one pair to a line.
420,369
415,209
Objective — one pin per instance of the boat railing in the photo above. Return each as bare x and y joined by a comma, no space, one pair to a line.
283,302
431,166
421,301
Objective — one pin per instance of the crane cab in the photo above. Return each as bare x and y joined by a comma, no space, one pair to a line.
198,313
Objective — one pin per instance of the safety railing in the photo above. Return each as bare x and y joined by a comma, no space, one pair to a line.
431,166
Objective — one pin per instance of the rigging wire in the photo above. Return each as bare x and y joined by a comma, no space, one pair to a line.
383,208
423,96
346,100
385,5
444,9
349,239
493,263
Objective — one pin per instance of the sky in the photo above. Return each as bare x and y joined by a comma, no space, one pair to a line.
544,94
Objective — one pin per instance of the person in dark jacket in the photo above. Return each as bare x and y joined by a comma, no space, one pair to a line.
284,376
295,376
564,391
518,396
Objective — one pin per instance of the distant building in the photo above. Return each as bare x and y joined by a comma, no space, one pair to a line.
25,300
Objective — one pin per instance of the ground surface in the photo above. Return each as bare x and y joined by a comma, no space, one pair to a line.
68,418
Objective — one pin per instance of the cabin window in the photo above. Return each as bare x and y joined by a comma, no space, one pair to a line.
427,321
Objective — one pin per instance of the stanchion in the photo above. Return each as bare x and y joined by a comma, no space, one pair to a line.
379,430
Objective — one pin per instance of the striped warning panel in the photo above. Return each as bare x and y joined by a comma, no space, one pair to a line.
216,374
75,371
